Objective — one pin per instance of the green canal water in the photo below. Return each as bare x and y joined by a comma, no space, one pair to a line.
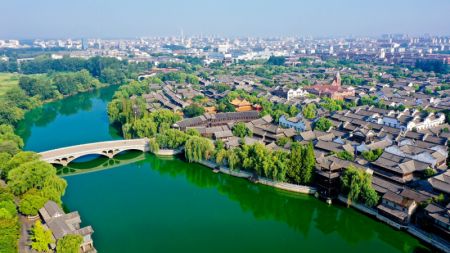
142,203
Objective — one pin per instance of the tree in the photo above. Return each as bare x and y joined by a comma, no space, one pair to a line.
295,163
9,209
10,114
276,114
36,178
439,199
16,96
192,132
9,225
69,244
276,60
293,110
153,145
345,155
372,155
357,184
144,127
198,148
332,104
111,76
241,130
279,169
429,172
40,237
308,164
436,66
31,202
29,175
64,84
164,116
17,160
221,156
283,141
219,145
225,106
309,111
8,147
54,188
7,134
171,139
4,159
133,117
233,158
193,110
368,193
323,124
38,86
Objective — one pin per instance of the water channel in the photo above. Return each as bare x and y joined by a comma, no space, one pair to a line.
142,203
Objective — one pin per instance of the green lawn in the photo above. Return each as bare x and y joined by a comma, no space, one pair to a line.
7,80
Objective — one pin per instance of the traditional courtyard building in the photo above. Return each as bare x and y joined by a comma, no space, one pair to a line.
327,172
289,94
268,132
437,219
397,207
62,224
241,105
441,183
397,168
299,123
218,119
333,90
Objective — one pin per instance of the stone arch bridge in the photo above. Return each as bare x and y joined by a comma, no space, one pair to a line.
63,156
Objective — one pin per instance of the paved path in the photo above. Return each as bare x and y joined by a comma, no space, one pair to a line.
24,240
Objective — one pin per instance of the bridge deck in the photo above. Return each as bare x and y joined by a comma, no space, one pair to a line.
86,148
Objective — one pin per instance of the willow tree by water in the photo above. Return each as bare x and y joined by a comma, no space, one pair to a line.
198,148
357,184
153,145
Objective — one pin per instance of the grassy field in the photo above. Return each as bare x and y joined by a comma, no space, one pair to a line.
7,80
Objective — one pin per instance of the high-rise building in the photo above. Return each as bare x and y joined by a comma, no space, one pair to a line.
85,44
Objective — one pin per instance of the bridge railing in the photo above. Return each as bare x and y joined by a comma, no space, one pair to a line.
83,148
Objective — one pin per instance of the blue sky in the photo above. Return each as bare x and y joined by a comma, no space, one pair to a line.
265,18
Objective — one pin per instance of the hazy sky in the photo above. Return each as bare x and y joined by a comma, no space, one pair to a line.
136,18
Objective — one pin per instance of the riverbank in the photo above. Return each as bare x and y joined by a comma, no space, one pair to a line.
168,152
188,202
432,240
212,204
435,242
143,146
260,180
25,227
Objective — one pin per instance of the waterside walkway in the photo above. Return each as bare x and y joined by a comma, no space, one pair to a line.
260,180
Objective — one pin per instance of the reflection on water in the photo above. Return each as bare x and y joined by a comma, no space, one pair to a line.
300,212
43,115
136,198
86,164
304,214
78,119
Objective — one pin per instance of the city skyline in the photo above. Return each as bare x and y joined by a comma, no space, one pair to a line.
286,18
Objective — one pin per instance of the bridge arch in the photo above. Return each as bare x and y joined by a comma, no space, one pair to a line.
109,149
126,150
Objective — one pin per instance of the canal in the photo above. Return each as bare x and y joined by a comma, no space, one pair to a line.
142,203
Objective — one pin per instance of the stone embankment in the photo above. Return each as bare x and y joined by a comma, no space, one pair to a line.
260,180
413,230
